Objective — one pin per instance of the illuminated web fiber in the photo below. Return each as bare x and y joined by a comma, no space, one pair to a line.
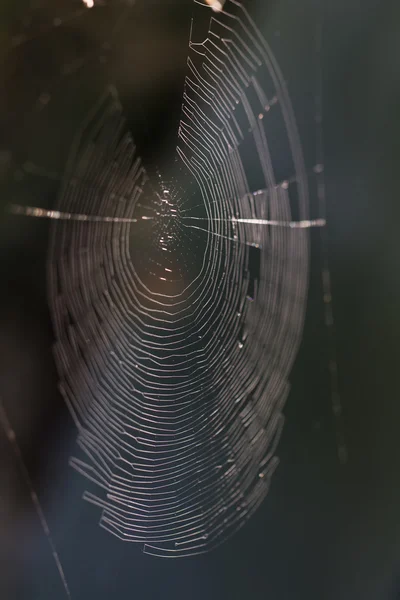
178,302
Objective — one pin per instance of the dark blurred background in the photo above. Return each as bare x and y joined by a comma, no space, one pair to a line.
327,530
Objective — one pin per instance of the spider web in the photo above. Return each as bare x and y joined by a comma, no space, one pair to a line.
177,330
178,297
